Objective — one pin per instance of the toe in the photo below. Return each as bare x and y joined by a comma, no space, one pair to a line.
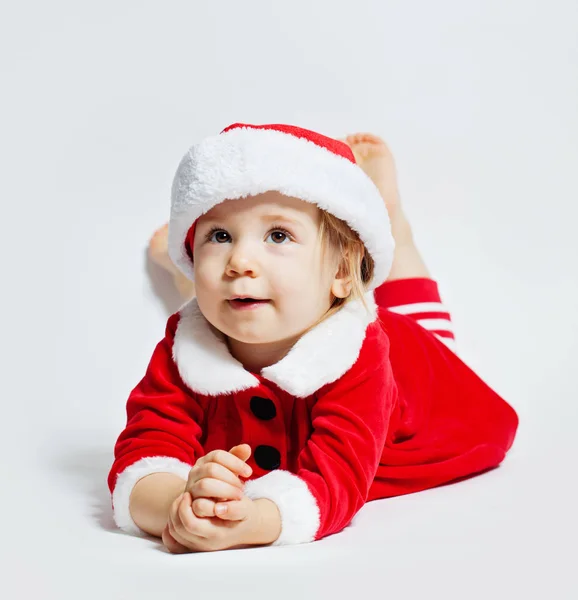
368,138
160,240
161,232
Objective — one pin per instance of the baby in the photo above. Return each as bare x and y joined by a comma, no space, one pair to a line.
311,345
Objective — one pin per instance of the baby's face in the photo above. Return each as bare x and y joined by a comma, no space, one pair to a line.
267,247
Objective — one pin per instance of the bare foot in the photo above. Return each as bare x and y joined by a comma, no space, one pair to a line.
374,156
158,252
159,249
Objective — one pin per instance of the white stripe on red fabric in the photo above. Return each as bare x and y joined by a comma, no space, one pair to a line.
419,307
449,342
433,316
435,324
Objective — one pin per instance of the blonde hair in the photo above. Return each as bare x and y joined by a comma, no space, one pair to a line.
339,240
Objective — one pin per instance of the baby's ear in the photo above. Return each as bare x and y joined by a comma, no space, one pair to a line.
342,285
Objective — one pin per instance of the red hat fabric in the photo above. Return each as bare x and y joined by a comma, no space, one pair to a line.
246,160
190,241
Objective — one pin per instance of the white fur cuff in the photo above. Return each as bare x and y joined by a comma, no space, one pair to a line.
300,515
126,481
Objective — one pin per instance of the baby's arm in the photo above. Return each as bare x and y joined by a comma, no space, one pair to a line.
155,454
151,500
161,437
337,466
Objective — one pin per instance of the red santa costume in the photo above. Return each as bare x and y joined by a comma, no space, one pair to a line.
366,405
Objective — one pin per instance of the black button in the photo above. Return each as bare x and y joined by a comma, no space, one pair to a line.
267,457
263,408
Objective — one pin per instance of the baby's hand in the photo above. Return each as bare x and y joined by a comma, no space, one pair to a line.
214,485
185,532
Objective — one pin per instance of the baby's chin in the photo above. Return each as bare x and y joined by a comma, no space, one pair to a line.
248,334
258,338
254,339
254,332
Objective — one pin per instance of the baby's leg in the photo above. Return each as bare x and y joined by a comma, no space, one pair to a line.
375,158
419,299
409,289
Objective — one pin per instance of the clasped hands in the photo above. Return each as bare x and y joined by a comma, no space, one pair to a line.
197,521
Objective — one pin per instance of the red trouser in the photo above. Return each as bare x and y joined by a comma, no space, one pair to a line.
448,423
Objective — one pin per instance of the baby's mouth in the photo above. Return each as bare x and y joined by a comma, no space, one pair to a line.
248,301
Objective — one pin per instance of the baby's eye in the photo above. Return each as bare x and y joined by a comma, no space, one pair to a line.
279,232
217,232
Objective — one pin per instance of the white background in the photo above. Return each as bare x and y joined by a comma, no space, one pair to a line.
478,101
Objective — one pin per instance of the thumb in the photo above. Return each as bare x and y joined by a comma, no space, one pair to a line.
242,451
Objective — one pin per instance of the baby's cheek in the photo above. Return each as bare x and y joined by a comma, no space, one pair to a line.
289,278
207,278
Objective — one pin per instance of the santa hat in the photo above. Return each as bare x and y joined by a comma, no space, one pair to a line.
245,160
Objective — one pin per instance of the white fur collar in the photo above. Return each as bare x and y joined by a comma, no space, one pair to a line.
319,357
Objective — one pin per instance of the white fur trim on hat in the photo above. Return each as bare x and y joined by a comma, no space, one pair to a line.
246,161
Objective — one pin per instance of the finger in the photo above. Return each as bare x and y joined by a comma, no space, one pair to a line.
242,451
235,510
175,540
229,460
171,544
204,507
192,528
188,520
177,535
174,507
177,528
174,521
214,470
213,488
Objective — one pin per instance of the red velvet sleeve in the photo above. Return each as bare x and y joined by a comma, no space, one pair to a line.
162,433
